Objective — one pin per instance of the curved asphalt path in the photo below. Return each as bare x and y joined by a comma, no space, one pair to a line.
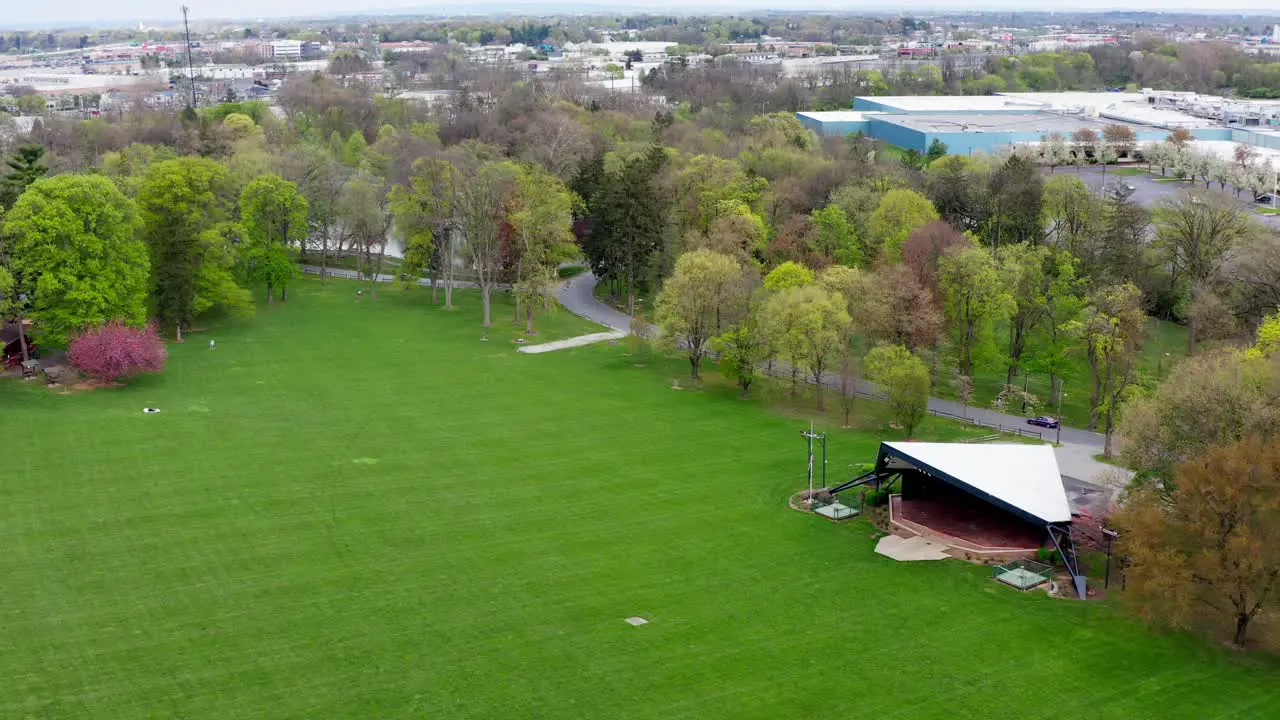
1085,478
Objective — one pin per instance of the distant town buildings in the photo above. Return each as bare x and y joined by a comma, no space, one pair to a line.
285,50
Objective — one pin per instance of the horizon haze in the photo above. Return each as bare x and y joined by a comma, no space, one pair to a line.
67,13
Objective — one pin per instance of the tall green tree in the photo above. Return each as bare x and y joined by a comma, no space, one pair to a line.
221,267
274,215
626,219
1022,269
76,252
1015,198
900,212
808,325
424,211
1122,240
364,209
741,349
704,295
835,238
1111,326
177,201
484,190
936,151
319,177
905,380
541,217
1063,295
973,295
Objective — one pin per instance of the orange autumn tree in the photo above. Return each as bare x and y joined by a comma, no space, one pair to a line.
1207,547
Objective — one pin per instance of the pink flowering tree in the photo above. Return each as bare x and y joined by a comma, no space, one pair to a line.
115,350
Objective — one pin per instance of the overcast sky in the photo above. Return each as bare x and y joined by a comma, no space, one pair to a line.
26,12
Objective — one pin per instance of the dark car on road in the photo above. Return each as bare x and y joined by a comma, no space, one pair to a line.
1043,421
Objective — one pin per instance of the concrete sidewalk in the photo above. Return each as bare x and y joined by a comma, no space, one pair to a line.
572,342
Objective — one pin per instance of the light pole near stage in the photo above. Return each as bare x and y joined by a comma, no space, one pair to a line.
1110,535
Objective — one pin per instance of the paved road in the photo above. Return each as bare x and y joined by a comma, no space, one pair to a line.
1148,192
1086,479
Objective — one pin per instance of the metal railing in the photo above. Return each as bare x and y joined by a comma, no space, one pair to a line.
1022,574
347,274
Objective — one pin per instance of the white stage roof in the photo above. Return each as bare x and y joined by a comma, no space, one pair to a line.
1025,477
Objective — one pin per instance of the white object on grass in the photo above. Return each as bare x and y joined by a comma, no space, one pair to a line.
634,620
211,344
150,410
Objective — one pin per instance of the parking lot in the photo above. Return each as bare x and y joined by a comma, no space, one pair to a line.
1148,191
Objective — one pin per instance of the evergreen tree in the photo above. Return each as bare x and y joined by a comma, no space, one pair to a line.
26,165
177,201
626,219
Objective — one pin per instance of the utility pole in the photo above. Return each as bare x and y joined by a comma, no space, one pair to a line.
191,78
810,436
1059,418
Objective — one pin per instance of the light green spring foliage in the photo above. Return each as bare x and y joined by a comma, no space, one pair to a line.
1050,348
788,275
741,349
708,186
239,126
904,378
418,208
6,291
126,167
354,150
273,211
274,215
177,199
217,288
780,129
75,244
836,238
973,296
1268,337
698,300
806,324
900,211
541,218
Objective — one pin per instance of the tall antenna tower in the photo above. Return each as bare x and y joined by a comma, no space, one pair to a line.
191,77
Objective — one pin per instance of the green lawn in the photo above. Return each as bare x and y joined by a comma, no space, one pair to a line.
1165,343
1127,171
357,509
890,151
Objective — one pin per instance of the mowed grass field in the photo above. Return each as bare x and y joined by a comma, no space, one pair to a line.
356,509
